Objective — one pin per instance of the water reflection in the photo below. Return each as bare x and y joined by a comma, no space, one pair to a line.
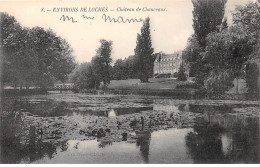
103,144
211,142
28,153
204,143
245,141
143,141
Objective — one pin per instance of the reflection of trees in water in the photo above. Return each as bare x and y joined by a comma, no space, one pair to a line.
144,142
103,144
245,141
205,144
12,150
28,153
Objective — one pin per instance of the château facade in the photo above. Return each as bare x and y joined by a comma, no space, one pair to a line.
167,63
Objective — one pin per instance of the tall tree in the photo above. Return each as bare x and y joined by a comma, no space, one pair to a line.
101,62
143,52
207,15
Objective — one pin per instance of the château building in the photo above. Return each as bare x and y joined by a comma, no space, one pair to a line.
167,63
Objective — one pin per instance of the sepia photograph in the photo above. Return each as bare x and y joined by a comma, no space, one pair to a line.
129,82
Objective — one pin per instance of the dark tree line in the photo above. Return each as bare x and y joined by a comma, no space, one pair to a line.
33,56
124,69
127,68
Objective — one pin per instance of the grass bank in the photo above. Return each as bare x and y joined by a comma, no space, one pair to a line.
157,87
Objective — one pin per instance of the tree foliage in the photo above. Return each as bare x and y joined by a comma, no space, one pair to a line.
101,62
218,53
127,68
192,55
207,16
181,74
226,54
143,53
34,56
247,17
83,77
120,70
252,77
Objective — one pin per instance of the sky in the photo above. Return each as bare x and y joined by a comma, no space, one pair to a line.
170,29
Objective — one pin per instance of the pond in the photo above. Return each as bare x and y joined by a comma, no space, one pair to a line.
87,128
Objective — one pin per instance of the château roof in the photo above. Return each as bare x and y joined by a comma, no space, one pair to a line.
176,55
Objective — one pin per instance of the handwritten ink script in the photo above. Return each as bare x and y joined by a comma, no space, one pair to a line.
68,18
104,17
119,19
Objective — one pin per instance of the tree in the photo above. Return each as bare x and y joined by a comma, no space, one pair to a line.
130,66
226,53
120,70
33,56
11,33
101,62
181,74
207,15
220,56
143,53
64,63
247,17
192,55
83,76
252,78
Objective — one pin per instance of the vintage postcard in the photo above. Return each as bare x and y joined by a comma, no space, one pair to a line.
129,82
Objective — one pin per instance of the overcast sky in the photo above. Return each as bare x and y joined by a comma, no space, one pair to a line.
169,30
